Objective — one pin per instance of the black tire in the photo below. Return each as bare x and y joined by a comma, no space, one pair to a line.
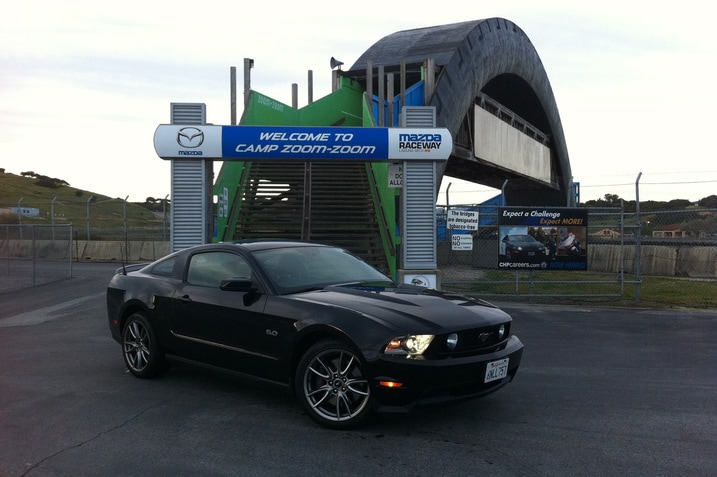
332,386
140,348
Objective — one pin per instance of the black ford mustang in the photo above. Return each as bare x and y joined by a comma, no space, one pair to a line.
315,318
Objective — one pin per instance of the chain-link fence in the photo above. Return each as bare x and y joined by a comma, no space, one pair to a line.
31,255
656,257
665,258
157,234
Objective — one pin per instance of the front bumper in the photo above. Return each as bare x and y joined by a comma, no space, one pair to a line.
427,382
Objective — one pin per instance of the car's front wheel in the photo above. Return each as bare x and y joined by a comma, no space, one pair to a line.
142,354
332,386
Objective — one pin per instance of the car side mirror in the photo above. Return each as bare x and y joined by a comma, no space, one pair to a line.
238,284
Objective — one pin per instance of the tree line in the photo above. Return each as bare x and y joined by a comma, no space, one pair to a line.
614,200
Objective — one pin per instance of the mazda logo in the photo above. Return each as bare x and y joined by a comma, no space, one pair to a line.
190,137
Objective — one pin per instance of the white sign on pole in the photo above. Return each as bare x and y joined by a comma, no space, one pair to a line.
395,176
223,204
462,219
462,242
428,280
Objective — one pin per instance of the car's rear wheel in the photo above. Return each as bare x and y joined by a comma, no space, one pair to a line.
332,386
142,354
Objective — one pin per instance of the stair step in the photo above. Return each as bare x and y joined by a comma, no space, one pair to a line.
341,206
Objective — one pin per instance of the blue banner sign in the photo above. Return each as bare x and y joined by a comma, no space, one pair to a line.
252,143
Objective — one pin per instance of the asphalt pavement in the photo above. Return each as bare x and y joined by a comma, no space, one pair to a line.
601,391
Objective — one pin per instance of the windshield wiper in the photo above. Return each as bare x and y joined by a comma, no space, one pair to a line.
308,289
365,285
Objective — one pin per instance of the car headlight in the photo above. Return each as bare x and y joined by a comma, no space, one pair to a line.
410,346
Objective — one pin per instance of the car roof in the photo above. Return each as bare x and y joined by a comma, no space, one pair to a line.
248,245
254,245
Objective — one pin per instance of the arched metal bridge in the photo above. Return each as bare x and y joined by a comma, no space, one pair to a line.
491,64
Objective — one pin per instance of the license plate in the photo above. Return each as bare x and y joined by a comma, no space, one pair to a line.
496,370
531,254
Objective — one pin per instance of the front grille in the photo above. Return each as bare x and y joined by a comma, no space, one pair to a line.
470,342
458,392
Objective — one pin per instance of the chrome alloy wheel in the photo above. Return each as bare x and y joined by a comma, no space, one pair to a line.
334,385
136,346
143,355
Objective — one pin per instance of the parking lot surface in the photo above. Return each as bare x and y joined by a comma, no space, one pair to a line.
600,392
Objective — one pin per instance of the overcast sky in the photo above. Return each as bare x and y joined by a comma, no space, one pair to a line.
83,85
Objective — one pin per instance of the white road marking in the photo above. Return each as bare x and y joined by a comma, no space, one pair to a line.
42,315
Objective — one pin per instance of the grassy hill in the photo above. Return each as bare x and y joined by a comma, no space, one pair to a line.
70,205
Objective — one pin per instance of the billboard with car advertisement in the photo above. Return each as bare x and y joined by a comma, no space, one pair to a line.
542,238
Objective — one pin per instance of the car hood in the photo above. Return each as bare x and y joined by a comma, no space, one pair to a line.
413,309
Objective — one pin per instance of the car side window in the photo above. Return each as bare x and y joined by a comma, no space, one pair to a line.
208,269
164,268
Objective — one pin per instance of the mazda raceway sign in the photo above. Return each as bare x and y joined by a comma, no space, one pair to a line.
301,143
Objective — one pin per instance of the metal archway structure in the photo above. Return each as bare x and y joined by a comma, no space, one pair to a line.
473,60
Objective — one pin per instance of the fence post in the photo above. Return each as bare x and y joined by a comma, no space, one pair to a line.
52,216
34,255
69,247
124,217
88,216
622,248
7,247
638,239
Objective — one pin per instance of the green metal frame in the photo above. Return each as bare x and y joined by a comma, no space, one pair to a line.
347,106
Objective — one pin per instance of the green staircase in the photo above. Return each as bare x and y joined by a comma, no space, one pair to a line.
324,202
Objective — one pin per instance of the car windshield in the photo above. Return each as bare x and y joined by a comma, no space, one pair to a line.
305,268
